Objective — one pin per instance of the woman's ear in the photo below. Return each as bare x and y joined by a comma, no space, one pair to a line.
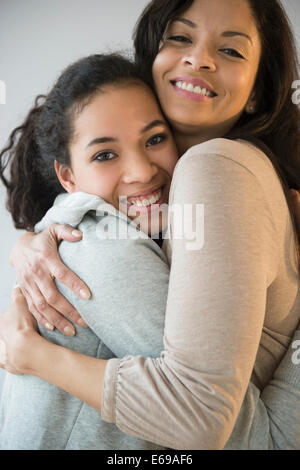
65,176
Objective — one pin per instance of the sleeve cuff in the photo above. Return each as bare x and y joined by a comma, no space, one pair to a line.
109,395
288,370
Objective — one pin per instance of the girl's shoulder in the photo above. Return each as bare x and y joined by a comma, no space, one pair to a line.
77,208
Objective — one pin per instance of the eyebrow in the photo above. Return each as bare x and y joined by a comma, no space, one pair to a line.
152,124
104,140
230,34
226,34
100,140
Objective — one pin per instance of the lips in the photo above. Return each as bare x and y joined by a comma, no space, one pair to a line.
195,82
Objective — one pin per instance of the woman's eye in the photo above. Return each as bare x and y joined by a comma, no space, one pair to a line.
232,53
178,38
104,156
155,140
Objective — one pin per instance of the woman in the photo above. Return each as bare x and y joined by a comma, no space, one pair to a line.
202,385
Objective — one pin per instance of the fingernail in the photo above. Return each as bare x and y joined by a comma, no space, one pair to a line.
81,322
69,331
76,234
49,326
84,294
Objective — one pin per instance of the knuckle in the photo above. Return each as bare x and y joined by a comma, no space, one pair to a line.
59,323
44,255
75,285
59,273
41,304
72,314
51,297
38,317
36,270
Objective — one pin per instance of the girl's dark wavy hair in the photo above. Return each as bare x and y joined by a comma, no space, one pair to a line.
44,137
275,126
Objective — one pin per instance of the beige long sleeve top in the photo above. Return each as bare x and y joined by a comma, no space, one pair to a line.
232,307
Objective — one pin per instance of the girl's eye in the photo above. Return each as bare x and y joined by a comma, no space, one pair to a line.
232,53
104,156
178,38
155,140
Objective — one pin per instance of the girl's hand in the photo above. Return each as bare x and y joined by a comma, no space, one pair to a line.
37,263
17,328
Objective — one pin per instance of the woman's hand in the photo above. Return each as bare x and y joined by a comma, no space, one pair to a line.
17,328
37,263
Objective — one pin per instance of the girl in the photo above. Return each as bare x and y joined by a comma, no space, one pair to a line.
100,136
218,73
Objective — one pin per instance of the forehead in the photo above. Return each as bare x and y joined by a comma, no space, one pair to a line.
221,14
119,107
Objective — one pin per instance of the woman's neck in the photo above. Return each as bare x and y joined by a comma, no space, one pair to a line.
185,141
188,137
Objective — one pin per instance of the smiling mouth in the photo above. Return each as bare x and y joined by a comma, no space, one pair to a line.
147,200
197,89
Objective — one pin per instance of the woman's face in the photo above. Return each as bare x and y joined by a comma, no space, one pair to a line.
206,67
123,147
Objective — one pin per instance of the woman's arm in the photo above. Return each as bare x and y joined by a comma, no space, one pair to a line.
215,314
36,261
81,376
250,402
269,422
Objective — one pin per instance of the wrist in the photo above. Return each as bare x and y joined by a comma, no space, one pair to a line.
27,350
15,252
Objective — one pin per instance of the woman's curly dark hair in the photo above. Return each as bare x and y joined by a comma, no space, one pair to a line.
27,162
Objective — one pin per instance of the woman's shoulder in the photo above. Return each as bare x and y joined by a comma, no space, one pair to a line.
238,152
230,167
217,154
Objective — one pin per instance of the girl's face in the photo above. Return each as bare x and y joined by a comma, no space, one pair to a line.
123,147
206,67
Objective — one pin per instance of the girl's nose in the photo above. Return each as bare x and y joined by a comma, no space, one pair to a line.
139,169
198,58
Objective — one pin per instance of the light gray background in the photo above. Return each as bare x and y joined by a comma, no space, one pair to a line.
38,39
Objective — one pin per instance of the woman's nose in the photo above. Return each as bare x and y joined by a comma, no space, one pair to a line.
139,169
199,58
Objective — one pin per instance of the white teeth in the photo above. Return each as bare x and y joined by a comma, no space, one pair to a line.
147,202
152,200
197,89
